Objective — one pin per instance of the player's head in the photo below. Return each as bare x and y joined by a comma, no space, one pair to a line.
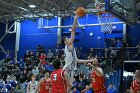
95,61
65,40
47,74
57,63
33,77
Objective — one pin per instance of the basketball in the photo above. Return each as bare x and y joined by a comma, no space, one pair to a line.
81,11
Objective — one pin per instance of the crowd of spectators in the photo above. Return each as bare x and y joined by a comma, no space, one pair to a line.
16,74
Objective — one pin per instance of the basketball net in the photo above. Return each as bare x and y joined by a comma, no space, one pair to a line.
104,19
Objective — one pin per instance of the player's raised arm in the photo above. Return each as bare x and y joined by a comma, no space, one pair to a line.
71,40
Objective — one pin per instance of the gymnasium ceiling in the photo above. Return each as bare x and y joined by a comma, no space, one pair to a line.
19,9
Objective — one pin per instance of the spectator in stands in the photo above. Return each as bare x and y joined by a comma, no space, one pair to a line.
1,80
24,85
58,49
78,52
87,80
8,86
91,52
106,55
124,43
135,86
7,56
62,60
111,89
26,56
81,76
4,89
97,76
35,71
39,49
32,57
42,57
50,55
17,73
75,90
22,79
81,86
88,69
21,64
119,44
13,77
24,76
8,78
75,83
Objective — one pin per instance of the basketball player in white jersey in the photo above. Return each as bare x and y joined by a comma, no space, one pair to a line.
71,59
32,85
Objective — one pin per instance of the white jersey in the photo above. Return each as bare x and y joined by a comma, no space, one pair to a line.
70,59
32,87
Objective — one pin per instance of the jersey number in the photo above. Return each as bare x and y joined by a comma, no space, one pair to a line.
55,77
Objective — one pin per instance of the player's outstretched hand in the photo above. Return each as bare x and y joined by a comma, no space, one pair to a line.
76,16
89,64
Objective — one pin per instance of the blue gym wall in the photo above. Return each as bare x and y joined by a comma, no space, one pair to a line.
85,40
8,42
31,36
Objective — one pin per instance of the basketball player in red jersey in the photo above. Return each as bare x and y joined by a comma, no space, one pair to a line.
59,77
135,86
44,85
97,77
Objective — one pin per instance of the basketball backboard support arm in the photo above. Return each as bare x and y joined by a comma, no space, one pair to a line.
122,12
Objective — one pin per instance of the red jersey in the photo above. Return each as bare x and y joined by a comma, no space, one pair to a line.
135,86
42,57
46,86
58,81
98,83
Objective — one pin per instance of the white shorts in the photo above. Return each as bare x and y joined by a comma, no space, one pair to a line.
70,69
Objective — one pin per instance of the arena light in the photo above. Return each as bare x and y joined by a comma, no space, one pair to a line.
23,8
90,34
32,6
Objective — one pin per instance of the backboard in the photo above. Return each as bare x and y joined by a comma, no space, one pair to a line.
125,10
